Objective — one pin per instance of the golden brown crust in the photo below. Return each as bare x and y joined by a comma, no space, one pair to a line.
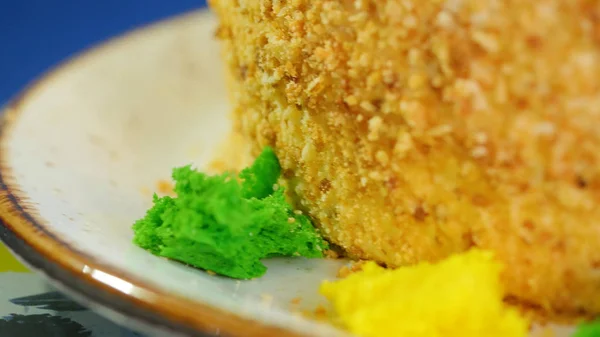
411,130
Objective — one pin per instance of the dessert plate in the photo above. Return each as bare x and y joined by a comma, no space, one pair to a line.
81,151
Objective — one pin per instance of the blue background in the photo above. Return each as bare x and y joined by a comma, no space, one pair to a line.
35,35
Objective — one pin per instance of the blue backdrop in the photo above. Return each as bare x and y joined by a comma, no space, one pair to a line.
35,35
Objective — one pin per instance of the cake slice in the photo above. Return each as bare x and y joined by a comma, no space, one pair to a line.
413,130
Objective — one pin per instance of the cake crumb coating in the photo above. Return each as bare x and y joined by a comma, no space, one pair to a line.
413,130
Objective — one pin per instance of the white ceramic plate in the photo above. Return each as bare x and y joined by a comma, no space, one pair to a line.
80,146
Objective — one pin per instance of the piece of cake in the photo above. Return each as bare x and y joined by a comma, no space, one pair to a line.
227,223
460,296
411,130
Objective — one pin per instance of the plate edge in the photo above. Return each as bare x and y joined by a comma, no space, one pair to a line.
26,236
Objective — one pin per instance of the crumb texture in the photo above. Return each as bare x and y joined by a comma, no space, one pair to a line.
226,226
412,130
461,296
